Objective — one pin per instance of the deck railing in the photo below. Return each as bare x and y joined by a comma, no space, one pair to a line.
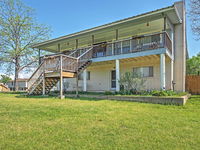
52,63
134,44
73,61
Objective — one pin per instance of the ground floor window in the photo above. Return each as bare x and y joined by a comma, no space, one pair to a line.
144,71
80,77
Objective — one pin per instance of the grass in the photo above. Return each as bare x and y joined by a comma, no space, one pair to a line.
51,123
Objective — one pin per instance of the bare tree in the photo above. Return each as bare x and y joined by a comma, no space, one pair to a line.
194,15
19,30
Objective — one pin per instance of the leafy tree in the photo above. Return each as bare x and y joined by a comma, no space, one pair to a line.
131,81
19,30
4,79
193,65
194,15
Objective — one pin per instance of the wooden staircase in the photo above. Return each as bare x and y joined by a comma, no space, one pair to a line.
55,67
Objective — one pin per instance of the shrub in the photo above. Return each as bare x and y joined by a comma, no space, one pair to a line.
167,93
108,93
132,83
159,93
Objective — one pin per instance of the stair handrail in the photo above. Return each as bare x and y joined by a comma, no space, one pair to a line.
40,70
85,52
30,83
82,60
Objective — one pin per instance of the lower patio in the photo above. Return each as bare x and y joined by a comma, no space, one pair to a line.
104,76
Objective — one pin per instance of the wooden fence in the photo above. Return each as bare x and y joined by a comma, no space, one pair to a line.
193,84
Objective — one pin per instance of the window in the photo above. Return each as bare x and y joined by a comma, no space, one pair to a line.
100,54
113,79
109,49
80,77
144,71
126,46
117,48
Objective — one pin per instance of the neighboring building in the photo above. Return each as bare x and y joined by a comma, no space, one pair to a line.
21,84
153,44
3,88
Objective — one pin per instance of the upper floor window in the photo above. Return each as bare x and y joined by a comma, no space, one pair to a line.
109,50
126,46
117,48
144,71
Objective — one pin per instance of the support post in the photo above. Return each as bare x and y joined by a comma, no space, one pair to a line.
77,86
92,39
117,75
121,47
164,29
116,34
112,48
39,55
61,79
77,73
172,74
59,49
43,83
162,72
85,80
76,43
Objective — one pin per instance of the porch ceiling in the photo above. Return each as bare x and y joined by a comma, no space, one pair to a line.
150,59
137,25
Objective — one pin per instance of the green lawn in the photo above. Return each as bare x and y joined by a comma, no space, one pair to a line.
50,123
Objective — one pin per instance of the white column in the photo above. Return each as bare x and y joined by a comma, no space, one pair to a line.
172,73
162,71
117,74
85,80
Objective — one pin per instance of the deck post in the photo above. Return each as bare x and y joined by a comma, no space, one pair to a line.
162,72
77,78
77,86
61,79
43,81
117,75
85,80
39,55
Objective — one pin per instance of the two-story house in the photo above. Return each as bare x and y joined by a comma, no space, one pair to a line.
152,44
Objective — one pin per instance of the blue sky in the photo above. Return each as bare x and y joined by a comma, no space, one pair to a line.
68,16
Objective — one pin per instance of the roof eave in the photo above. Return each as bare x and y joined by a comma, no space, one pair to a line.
40,45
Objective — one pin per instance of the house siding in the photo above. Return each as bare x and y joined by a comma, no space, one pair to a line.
100,75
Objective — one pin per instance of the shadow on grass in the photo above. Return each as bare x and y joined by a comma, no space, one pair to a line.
34,96
25,95
13,92
84,98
